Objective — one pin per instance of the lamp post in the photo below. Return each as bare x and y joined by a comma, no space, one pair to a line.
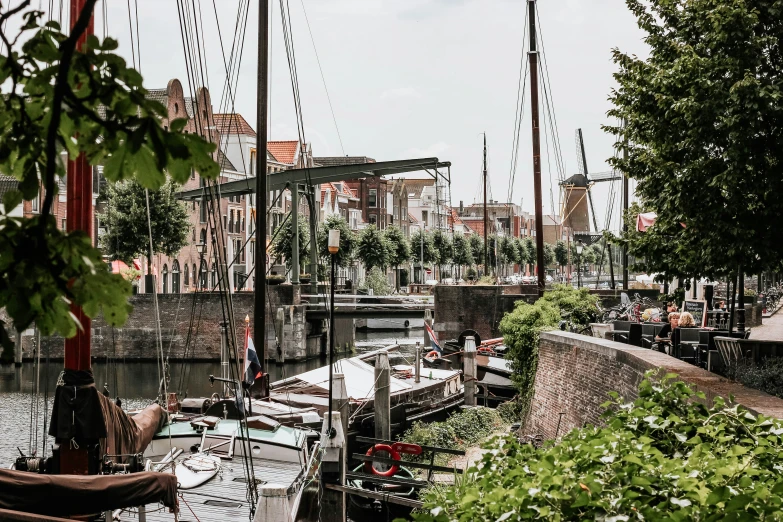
201,248
579,248
334,247
421,259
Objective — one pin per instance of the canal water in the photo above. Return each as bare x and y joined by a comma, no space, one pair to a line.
136,383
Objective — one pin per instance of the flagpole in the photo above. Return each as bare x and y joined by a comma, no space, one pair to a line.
245,364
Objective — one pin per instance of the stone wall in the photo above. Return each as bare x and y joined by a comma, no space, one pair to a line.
575,374
185,323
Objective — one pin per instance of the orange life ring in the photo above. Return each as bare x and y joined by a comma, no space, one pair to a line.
369,468
432,354
484,350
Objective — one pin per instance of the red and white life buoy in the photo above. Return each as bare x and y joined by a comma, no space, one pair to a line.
369,468
432,355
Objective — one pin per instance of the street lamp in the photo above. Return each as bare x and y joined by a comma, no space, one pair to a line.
334,247
579,248
201,248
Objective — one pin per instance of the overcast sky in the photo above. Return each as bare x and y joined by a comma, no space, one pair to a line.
415,78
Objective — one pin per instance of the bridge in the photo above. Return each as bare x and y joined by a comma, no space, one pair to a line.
397,309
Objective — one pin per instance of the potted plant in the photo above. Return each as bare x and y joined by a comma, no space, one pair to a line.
275,279
304,278
751,297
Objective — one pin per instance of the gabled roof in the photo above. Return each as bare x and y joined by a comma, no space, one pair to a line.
412,220
416,186
337,188
7,184
224,162
284,151
233,124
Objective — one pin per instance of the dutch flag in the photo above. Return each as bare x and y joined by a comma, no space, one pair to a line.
252,364
433,338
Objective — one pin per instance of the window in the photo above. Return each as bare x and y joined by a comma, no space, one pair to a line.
214,275
192,173
225,222
203,238
202,215
373,219
372,201
63,223
252,162
193,237
34,203
239,226
165,277
231,222
203,278
187,275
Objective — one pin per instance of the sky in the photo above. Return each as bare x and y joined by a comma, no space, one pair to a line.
414,78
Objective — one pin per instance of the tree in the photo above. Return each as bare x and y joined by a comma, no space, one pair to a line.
283,243
373,248
507,249
348,241
524,253
127,234
530,248
444,250
549,254
88,102
463,254
703,135
477,248
428,246
561,254
399,250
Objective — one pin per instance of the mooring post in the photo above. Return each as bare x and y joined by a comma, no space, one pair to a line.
418,363
470,371
340,401
272,503
382,397
333,506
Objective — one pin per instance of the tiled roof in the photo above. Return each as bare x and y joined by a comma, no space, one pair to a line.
233,124
476,225
412,219
335,190
7,184
416,186
332,161
159,95
284,151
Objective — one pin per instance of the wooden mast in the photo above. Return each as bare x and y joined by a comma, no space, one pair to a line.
486,219
79,216
259,308
533,58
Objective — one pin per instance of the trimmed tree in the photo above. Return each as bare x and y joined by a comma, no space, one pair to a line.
509,254
348,241
373,249
399,250
561,254
428,246
444,250
477,248
127,232
283,244
463,254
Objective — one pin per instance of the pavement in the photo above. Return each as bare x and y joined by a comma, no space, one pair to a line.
770,330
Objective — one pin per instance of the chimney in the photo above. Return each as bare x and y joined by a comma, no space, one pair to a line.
461,208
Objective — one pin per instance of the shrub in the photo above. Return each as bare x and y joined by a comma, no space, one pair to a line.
512,411
579,304
376,280
766,376
665,456
487,280
459,431
750,292
471,274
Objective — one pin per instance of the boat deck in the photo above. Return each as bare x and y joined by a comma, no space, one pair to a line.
224,496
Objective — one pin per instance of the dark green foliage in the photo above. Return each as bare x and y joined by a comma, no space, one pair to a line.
561,253
283,244
512,411
399,246
471,274
430,255
703,115
766,376
50,105
348,241
507,252
549,254
463,254
444,249
524,253
373,249
127,234
578,304
459,431
477,248
663,457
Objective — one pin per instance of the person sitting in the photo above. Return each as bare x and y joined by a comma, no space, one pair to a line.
664,338
686,320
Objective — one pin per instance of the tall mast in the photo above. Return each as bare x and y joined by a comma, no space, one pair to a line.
486,218
533,57
259,303
625,226
79,217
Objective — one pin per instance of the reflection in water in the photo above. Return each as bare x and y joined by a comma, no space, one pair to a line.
136,383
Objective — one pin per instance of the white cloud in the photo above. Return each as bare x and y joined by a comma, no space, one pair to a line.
433,150
400,92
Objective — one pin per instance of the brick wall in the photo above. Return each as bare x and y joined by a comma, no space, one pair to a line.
575,374
137,338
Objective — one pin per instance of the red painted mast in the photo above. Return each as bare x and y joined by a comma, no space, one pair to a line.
79,217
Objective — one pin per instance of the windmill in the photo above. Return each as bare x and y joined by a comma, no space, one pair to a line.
578,197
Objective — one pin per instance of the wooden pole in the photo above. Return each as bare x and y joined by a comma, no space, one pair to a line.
417,378
533,58
486,218
470,371
259,297
340,400
382,397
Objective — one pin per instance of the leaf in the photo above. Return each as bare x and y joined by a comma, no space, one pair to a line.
11,200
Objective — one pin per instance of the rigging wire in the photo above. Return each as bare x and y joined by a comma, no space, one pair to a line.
518,112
